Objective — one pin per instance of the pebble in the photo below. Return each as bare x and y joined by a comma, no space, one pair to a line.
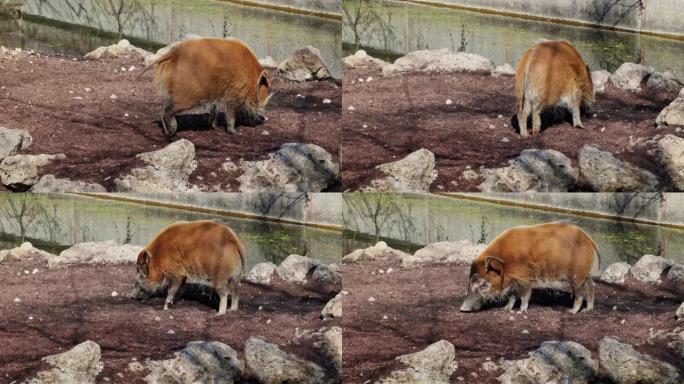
381,271
113,97
622,321
369,79
126,115
131,68
71,92
500,117
505,140
268,321
17,300
511,318
26,272
157,318
261,307
365,125
299,95
345,292
614,307
360,80
171,332
265,133
115,293
525,332
371,299
603,129
87,89
30,317
78,98
389,270
123,69
491,126
448,102
327,101
384,317
351,108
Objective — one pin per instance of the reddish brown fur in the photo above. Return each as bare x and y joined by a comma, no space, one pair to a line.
528,256
200,249
201,71
551,73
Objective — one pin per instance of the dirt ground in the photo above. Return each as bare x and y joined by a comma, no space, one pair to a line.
100,136
422,307
73,304
394,116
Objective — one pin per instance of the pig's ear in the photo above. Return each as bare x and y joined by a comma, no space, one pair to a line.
143,261
493,263
264,80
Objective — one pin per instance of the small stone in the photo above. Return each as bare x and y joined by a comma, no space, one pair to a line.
525,332
268,321
448,102
30,317
157,318
115,293
511,318
265,133
370,299
113,97
384,317
327,101
505,140
171,332
351,108
369,79
17,300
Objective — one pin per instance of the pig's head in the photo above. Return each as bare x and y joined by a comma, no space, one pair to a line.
486,283
144,285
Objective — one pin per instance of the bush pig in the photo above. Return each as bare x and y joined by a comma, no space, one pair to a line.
202,250
551,73
211,71
552,255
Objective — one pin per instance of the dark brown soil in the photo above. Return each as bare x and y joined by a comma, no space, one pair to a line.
100,136
407,112
422,307
73,304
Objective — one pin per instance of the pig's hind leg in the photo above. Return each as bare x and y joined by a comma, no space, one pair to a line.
222,291
589,288
526,294
234,294
175,285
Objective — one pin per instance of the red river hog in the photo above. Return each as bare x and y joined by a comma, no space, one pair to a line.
198,250
553,255
211,71
551,74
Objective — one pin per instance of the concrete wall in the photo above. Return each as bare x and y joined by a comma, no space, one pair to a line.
658,16
315,6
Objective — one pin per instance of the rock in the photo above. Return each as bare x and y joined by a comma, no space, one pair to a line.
599,78
412,174
100,252
295,268
13,140
603,172
649,268
329,342
25,250
20,172
676,273
333,309
434,365
671,155
624,365
378,251
361,59
293,168
553,362
442,60
539,170
444,252
616,273
261,273
665,81
268,62
198,362
673,114
323,274
305,64
81,364
504,69
679,314
629,76
271,365
51,184
123,47
168,170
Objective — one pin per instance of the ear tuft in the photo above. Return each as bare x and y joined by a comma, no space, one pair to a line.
264,79
143,258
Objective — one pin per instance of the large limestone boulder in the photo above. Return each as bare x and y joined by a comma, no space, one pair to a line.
295,268
679,314
326,275
649,268
271,365
122,48
444,252
378,251
100,252
412,174
600,78
333,309
504,70
167,171
361,59
624,365
434,364
553,362
20,172
329,342
261,273
13,140
664,81
24,251
671,155
673,114
198,362
539,170
81,364
603,172
51,184
676,273
629,76
442,60
616,273
305,64
293,168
